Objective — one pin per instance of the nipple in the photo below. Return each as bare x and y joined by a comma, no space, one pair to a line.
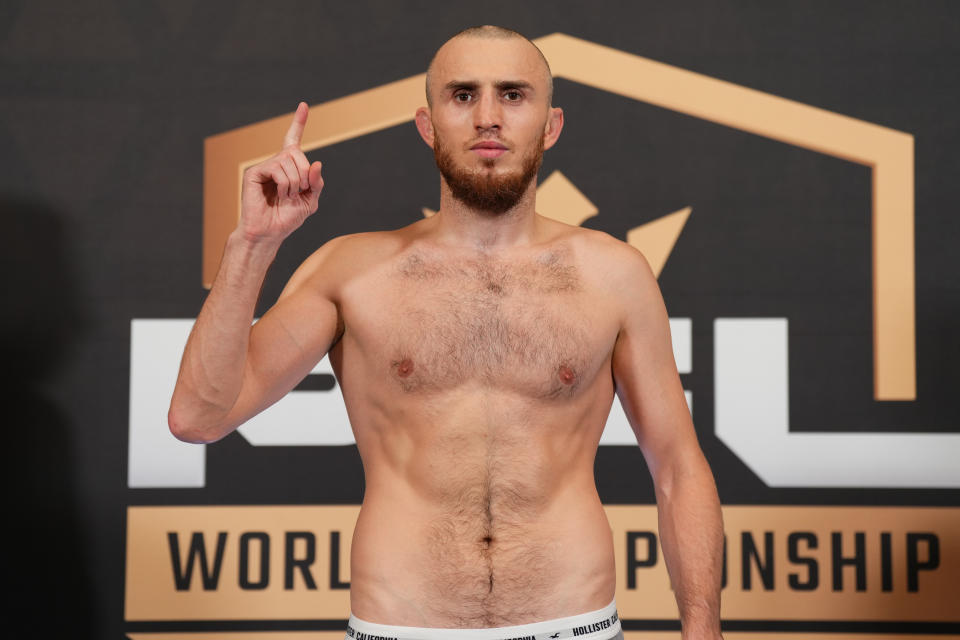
405,367
567,376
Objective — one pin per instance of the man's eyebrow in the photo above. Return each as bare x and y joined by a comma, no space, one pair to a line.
514,84
502,85
456,85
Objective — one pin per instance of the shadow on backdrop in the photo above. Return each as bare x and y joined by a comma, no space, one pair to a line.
44,554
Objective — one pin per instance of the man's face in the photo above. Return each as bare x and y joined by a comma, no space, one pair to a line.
490,119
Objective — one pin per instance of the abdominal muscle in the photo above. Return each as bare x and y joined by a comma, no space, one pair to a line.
480,511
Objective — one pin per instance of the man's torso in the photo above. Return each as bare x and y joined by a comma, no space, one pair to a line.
477,384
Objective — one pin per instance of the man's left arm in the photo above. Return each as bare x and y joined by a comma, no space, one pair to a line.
649,388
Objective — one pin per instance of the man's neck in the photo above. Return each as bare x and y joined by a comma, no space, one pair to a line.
461,225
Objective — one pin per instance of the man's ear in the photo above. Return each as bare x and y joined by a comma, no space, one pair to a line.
551,130
425,125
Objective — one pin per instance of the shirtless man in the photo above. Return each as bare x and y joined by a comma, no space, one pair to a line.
478,351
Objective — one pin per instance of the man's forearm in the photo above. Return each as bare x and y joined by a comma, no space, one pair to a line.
211,373
691,534
276,196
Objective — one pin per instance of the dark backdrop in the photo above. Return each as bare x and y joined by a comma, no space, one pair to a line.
104,107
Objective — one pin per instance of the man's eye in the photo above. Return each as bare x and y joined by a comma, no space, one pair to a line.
462,97
512,96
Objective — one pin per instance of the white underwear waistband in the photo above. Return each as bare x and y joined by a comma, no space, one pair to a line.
594,625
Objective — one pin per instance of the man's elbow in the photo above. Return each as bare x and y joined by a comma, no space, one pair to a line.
683,474
187,430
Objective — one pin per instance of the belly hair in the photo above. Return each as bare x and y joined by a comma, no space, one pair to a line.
483,556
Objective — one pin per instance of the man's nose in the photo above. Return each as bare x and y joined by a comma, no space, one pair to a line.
487,114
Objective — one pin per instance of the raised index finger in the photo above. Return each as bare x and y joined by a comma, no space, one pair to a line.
295,132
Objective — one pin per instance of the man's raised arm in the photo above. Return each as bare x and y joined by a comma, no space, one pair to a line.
648,385
230,372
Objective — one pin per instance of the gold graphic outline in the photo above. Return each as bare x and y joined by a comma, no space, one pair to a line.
887,152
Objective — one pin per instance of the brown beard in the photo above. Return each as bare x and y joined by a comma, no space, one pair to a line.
486,190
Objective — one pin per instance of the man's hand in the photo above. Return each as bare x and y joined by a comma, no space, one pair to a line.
279,193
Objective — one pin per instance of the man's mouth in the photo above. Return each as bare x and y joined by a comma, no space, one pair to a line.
489,149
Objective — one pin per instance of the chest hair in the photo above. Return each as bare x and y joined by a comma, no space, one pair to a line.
511,323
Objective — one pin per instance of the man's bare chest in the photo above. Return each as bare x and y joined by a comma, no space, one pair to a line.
530,326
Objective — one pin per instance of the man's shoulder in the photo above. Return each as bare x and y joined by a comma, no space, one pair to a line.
345,258
610,258
367,244
356,251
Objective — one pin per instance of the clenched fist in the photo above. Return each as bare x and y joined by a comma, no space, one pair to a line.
279,193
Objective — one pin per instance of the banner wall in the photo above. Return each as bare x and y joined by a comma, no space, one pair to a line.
789,170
